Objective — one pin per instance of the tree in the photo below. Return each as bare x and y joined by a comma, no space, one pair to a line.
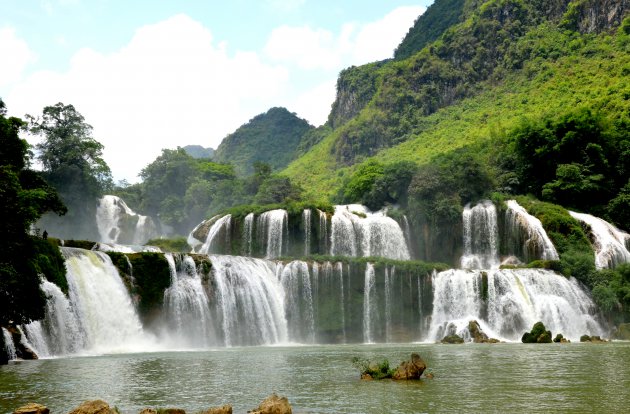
24,197
73,164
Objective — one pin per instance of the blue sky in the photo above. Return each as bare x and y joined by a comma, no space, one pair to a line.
159,74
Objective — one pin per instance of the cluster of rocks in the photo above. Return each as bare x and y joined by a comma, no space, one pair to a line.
474,332
594,339
540,335
407,370
271,405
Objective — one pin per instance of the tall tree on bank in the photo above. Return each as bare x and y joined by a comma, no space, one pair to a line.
73,164
24,197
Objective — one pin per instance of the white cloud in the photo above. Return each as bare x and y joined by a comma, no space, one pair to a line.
171,85
16,55
314,104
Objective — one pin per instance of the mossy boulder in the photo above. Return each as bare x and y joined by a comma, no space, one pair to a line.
93,407
560,339
32,408
410,370
592,339
538,335
273,405
452,339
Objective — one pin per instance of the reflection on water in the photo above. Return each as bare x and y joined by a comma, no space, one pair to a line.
321,379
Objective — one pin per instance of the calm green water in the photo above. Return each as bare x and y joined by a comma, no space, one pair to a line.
321,379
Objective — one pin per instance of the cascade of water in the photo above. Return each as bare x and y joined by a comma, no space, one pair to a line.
306,223
481,237
358,232
220,229
610,243
370,306
339,271
102,304
388,302
526,235
507,303
407,231
186,305
272,229
298,304
249,300
9,346
248,232
323,232
59,333
110,214
125,248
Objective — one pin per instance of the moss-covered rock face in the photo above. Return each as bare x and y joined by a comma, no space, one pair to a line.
538,335
452,339
49,262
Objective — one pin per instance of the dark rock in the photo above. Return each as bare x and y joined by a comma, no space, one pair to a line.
148,411
593,339
172,411
410,370
479,336
452,339
32,408
273,405
538,335
93,407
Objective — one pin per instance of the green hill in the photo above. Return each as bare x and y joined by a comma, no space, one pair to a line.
506,60
273,138
197,151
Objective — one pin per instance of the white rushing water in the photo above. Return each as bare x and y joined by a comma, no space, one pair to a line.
323,232
249,300
306,225
272,229
481,236
358,232
218,235
189,320
111,215
515,300
248,233
299,311
526,235
9,346
100,300
610,243
370,306
59,333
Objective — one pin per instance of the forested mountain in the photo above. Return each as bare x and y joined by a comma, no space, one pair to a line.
197,151
272,138
512,86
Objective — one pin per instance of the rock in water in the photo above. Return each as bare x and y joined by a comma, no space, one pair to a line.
32,408
93,407
538,335
410,370
273,405
226,409
452,339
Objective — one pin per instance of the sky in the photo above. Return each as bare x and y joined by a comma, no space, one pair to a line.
154,74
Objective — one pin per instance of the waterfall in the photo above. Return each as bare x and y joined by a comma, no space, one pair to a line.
220,229
186,305
248,232
111,216
298,307
507,303
323,232
526,236
609,242
306,223
102,304
370,306
249,301
358,232
60,332
481,237
9,346
272,228
339,272
388,303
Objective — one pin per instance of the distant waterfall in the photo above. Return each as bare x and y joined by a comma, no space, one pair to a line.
60,332
610,243
306,224
218,235
299,311
526,236
186,305
102,304
115,223
507,303
324,242
249,301
358,232
370,306
248,233
9,346
272,229
481,237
